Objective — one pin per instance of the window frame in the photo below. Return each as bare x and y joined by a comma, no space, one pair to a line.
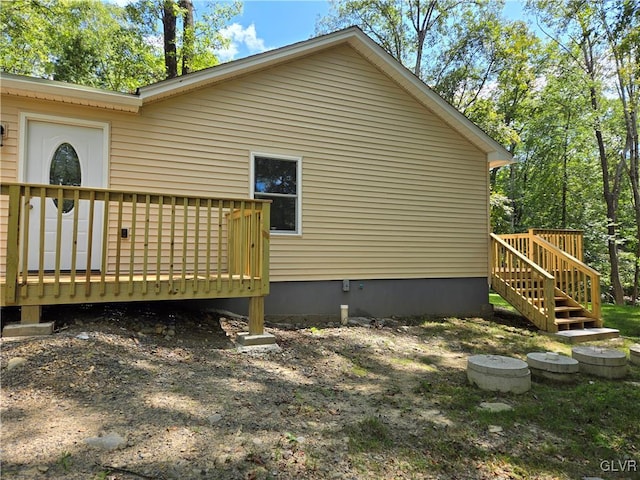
298,195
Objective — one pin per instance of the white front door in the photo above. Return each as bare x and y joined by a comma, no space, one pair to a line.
63,154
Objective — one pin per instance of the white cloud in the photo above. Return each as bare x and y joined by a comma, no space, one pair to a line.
240,39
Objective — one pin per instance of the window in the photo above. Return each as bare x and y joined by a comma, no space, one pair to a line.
65,170
277,178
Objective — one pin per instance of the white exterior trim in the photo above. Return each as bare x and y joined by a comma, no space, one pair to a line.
276,156
25,117
44,89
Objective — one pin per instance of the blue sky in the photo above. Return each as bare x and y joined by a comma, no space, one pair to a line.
268,24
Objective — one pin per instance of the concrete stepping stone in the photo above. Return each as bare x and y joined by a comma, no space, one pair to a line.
634,354
553,366
495,407
498,373
601,362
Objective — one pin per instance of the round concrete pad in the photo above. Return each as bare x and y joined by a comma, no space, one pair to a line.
497,373
599,356
498,365
552,362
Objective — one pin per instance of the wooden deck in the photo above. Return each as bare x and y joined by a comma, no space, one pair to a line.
118,246
551,287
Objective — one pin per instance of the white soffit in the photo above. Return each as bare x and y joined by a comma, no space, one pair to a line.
43,89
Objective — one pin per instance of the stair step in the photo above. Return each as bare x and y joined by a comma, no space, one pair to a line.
570,320
567,308
557,300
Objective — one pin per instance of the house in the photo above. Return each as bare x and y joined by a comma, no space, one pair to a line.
378,189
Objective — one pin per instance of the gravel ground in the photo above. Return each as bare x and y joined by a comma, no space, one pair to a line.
171,391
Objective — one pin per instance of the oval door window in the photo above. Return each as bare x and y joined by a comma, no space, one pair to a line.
65,170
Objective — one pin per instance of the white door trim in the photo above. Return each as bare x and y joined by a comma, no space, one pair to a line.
25,117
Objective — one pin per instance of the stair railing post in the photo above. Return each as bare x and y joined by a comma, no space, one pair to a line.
530,236
595,299
550,305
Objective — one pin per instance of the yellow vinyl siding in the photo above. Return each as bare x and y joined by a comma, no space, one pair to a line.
8,167
388,189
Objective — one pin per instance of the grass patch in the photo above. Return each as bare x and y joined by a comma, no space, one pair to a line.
497,301
623,317
555,431
369,434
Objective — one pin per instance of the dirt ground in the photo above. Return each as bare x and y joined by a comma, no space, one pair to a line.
181,402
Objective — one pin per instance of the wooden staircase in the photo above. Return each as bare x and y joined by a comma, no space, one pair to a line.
541,273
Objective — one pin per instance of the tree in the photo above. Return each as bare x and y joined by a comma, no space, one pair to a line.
188,44
108,46
621,24
84,42
580,28
406,29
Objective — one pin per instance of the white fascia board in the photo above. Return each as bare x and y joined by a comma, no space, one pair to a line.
496,160
60,91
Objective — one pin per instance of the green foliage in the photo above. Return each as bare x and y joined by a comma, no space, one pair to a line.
197,43
101,44
65,461
83,42
501,212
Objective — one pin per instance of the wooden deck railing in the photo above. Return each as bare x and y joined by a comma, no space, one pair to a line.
569,241
522,283
114,245
572,277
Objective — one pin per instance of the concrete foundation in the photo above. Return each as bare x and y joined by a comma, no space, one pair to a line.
28,329
498,373
588,334
553,366
601,362
634,354
316,302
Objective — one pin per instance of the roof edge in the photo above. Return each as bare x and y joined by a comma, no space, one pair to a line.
497,155
45,89
243,66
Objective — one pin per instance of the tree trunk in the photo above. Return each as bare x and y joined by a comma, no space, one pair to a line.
611,192
169,21
188,37
611,196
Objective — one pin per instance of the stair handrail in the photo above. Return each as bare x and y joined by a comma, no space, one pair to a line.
593,276
538,304
539,270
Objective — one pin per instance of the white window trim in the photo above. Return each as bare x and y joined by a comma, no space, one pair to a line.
277,156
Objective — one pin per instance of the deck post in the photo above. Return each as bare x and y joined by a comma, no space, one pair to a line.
256,337
30,314
256,315
13,246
